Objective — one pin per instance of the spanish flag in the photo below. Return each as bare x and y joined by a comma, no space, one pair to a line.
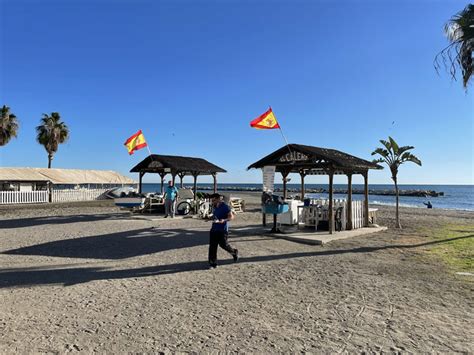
135,142
265,121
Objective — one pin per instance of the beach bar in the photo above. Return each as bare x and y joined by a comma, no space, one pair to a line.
308,160
176,166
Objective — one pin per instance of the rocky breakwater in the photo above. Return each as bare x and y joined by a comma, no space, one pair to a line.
387,192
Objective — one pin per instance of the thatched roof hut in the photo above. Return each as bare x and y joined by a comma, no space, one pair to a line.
176,166
297,158
309,160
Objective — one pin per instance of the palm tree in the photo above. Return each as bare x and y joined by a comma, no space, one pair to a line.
50,133
8,125
394,156
460,33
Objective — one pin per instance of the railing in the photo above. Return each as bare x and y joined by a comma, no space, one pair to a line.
16,197
357,214
22,197
78,195
357,211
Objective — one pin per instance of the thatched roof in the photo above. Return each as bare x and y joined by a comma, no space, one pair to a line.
314,160
176,165
63,176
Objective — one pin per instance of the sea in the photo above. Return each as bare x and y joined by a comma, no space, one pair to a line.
456,197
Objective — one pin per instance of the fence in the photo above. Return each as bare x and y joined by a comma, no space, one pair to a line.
14,197
357,211
357,214
78,195
22,197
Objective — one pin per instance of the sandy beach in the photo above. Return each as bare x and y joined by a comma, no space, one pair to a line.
89,277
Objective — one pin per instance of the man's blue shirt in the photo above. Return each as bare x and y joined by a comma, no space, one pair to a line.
220,212
171,192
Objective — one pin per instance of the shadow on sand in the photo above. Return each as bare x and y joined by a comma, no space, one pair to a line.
37,221
120,245
142,242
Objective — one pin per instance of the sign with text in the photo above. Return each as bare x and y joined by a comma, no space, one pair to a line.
268,178
293,156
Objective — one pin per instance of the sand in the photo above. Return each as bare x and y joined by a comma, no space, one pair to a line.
88,277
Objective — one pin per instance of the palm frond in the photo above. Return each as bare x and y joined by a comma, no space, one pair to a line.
394,145
51,132
408,157
8,125
386,144
405,148
458,54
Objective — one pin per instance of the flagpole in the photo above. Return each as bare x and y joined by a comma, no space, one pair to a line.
281,131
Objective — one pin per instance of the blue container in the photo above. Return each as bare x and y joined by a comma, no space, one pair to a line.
273,208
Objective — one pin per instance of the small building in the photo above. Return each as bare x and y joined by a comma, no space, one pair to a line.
38,179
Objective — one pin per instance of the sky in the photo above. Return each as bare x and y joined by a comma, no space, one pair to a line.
192,75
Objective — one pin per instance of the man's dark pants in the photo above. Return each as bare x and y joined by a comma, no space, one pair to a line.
218,238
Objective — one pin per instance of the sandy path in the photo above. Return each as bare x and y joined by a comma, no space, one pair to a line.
92,279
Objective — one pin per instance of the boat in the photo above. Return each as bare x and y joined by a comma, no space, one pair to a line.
117,192
129,202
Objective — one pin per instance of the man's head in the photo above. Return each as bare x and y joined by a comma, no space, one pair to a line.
215,199
170,183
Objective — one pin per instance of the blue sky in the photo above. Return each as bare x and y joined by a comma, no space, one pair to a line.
193,74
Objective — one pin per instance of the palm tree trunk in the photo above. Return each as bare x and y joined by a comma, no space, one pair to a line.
397,215
50,159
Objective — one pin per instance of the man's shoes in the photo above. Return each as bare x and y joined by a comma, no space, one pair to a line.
166,216
212,266
236,255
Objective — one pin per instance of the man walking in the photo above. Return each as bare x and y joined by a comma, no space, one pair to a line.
220,230
171,195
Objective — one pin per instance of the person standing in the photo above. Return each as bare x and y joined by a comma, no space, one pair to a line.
171,196
220,230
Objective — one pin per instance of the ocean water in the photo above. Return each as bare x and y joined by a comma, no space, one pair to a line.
457,197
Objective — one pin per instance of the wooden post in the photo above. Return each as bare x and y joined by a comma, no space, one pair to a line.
284,174
181,176
173,177
366,198
349,202
195,175
140,177
50,191
162,176
330,211
214,177
302,174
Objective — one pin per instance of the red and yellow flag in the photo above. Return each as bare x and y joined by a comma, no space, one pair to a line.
265,121
135,142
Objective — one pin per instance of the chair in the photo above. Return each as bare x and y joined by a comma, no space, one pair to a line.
311,217
338,218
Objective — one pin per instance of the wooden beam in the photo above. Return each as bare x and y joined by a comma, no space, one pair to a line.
162,176
366,198
195,175
349,202
302,174
214,177
181,176
140,177
331,196
284,174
